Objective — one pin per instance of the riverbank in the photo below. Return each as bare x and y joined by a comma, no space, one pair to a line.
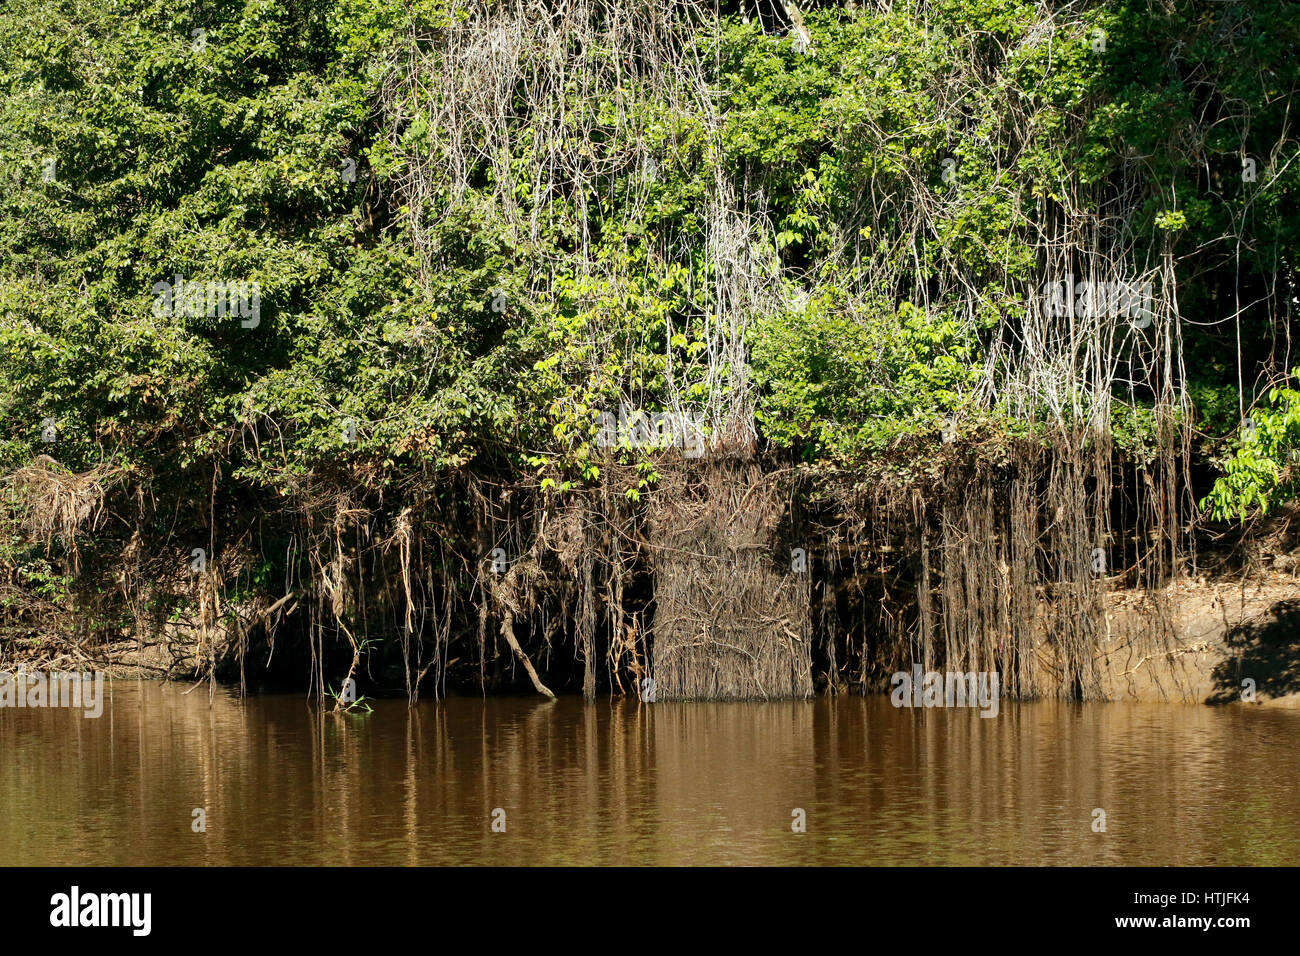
600,347
1198,643
1221,635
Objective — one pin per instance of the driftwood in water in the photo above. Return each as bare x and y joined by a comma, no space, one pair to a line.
508,632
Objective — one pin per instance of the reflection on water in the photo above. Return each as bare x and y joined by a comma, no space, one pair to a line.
627,783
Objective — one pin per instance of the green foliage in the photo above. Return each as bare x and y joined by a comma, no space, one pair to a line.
1264,468
222,159
842,380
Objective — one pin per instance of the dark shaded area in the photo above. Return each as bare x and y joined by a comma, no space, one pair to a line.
1267,651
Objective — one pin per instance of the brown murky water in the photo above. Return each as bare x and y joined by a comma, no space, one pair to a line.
626,783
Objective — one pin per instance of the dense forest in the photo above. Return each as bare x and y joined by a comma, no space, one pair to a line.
755,348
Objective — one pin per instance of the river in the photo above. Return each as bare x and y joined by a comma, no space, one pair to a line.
523,781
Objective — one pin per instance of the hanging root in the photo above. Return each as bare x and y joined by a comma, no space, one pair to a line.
508,634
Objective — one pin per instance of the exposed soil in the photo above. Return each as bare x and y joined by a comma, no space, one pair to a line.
1222,634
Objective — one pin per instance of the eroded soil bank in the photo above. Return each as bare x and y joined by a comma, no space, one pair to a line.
727,582
1225,635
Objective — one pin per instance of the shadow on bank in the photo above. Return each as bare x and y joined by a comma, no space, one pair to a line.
1267,651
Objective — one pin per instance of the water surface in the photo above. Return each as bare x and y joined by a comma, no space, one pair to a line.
619,782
